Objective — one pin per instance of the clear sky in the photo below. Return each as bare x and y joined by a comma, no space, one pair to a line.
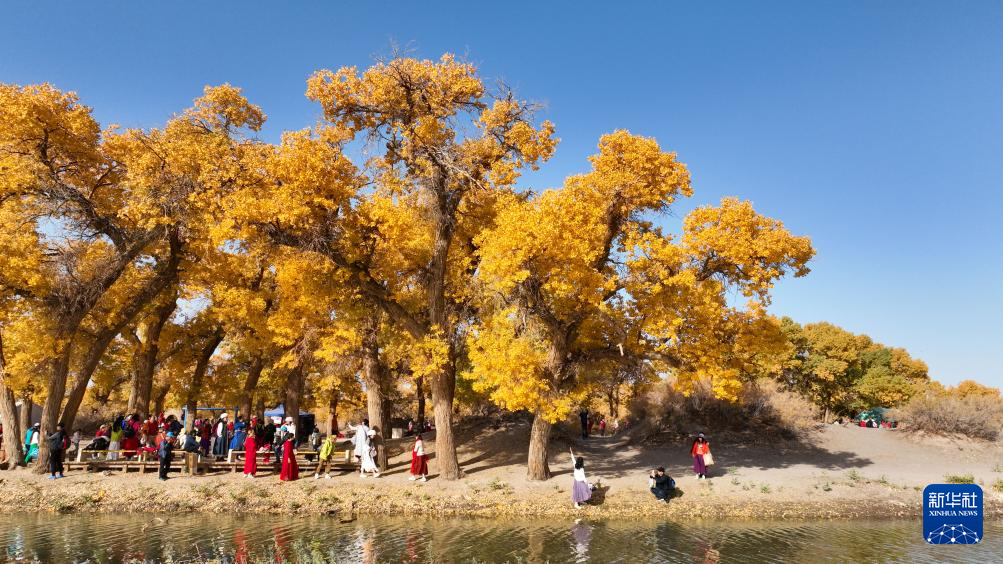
874,127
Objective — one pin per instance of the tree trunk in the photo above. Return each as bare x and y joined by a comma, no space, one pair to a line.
443,388
260,409
332,414
56,388
825,416
201,366
443,383
144,363
12,431
375,375
159,397
79,389
8,416
294,393
539,442
24,417
104,338
420,391
247,396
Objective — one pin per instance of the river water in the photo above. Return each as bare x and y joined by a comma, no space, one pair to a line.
211,538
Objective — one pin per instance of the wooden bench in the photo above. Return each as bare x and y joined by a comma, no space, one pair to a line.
98,460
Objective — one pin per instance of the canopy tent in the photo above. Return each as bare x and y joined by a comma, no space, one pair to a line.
304,425
280,411
875,413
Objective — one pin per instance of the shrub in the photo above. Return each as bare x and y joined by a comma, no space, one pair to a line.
998,486
761,406
959,479
977,416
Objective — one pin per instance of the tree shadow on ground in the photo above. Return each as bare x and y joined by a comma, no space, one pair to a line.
618,459
484,444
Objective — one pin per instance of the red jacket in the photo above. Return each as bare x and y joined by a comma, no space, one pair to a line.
700,448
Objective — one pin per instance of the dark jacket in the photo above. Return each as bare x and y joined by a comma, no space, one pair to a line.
57,441
268,434
166,448
664,482
191,444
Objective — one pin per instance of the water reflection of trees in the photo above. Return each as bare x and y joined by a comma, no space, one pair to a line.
187,538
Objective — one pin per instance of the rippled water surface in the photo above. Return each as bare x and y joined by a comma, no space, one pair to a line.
199,538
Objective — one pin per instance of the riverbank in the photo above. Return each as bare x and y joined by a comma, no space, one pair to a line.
840,473
349,496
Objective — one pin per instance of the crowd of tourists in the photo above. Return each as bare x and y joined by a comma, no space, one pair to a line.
269,437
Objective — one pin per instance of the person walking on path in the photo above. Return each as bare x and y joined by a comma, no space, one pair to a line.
57,446
583,415
325,457
369,457
361,439
419,460
31,443
661,485
700,452
250,455
166,454
581,492
290,470
602,427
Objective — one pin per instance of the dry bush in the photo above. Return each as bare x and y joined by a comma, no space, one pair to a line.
89,420
975,416
766,401
762,407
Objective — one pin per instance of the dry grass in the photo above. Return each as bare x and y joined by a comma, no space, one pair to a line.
959,479
762,406
975,416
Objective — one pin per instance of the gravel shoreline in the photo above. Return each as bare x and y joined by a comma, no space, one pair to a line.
347,497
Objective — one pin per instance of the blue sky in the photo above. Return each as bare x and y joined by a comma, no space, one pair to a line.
874,127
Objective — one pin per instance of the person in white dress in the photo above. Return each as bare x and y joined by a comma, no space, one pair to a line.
361,439
368,462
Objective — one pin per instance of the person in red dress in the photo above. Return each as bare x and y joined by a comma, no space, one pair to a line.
419,460
250,455
131,430
290,470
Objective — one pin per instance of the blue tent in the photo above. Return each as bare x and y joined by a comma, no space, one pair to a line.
875,413
280,411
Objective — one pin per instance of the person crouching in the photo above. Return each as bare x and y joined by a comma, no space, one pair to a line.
661,484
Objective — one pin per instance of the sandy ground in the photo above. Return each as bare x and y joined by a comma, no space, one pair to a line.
837,472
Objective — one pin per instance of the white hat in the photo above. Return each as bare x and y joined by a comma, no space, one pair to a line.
371,433
289,419
224,416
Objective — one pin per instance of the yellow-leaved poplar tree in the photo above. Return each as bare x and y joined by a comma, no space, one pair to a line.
579,276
